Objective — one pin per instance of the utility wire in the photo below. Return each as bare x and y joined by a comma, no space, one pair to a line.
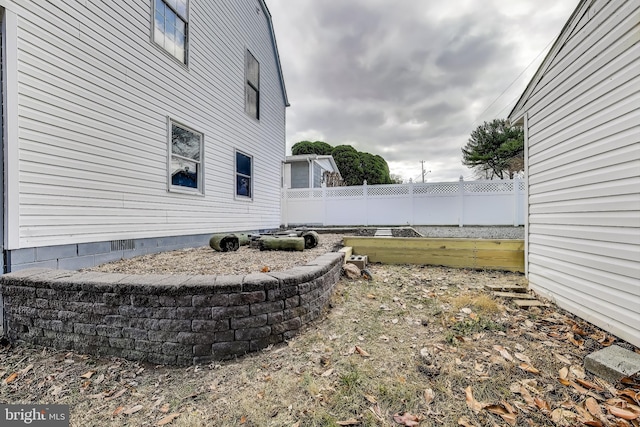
514,81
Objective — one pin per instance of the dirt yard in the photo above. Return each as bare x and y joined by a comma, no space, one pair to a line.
416,346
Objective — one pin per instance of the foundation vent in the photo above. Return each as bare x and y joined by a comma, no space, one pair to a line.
122,245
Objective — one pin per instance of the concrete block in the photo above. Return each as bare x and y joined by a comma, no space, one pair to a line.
46,253
93,248
613,363
76,263
347,251
359,261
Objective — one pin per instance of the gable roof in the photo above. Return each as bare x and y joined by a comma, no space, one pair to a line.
517,113
266,12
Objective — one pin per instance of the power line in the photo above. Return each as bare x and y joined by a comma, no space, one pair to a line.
513,82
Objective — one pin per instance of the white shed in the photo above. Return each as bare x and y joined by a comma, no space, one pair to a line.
132,127
309,170
581,114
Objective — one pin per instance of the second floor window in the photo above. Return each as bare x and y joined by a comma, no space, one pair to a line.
252,86
170,27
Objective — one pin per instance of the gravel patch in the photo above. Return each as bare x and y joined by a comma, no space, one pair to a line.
494,232
204,260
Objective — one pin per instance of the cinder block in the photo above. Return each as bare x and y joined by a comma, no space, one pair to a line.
613,363
347,251
359,261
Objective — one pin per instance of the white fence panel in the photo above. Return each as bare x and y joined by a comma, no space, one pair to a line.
445,203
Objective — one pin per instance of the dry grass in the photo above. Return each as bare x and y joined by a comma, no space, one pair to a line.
379,350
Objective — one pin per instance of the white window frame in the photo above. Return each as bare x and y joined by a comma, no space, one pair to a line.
179,10
250,85
199,163
237,175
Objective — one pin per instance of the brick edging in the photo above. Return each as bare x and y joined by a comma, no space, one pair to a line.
165,319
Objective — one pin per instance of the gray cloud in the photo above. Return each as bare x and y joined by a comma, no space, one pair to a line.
405,79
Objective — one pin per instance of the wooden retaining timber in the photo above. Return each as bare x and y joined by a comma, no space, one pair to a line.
507,255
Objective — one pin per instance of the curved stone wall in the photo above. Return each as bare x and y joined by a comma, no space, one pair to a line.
165,319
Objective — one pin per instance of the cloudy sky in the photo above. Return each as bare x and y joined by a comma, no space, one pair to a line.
408,79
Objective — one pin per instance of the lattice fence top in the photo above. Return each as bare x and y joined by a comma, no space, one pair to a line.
441,188
388,190
397,190
345,192
303,193
488,187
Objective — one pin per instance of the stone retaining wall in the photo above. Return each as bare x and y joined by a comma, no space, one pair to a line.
165,319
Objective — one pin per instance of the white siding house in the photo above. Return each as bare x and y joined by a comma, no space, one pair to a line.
137,126
581,114
308,170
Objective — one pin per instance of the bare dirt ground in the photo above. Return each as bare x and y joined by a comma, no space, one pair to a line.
417,345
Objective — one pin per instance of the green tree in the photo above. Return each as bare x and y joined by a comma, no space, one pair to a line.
354,166
308,147
348,162
496,147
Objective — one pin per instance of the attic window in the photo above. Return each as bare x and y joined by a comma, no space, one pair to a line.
170,27
252,86
185,171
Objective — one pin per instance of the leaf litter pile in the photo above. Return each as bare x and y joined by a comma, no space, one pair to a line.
415,346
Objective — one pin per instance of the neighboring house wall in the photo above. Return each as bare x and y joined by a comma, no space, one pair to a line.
89,98
300,175
581,114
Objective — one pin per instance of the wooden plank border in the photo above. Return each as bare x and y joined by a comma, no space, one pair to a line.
482,254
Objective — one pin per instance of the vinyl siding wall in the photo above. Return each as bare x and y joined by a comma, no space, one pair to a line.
583,120
94,95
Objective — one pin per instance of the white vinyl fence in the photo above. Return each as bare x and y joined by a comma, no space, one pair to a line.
444,203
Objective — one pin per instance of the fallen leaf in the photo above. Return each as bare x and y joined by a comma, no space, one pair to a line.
164,408
503,352
117,395
428,396
563,373
166,420
361,352
132,410
349,422
622,413
528,368
589,384
11,378
117,410
377,412
265,269
465,422
562,358
577,371
541,404
407,419
526,396
572,339
370,398
472,403
563,416
578,388
507,414
87,375
523,357
327,373
243,419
